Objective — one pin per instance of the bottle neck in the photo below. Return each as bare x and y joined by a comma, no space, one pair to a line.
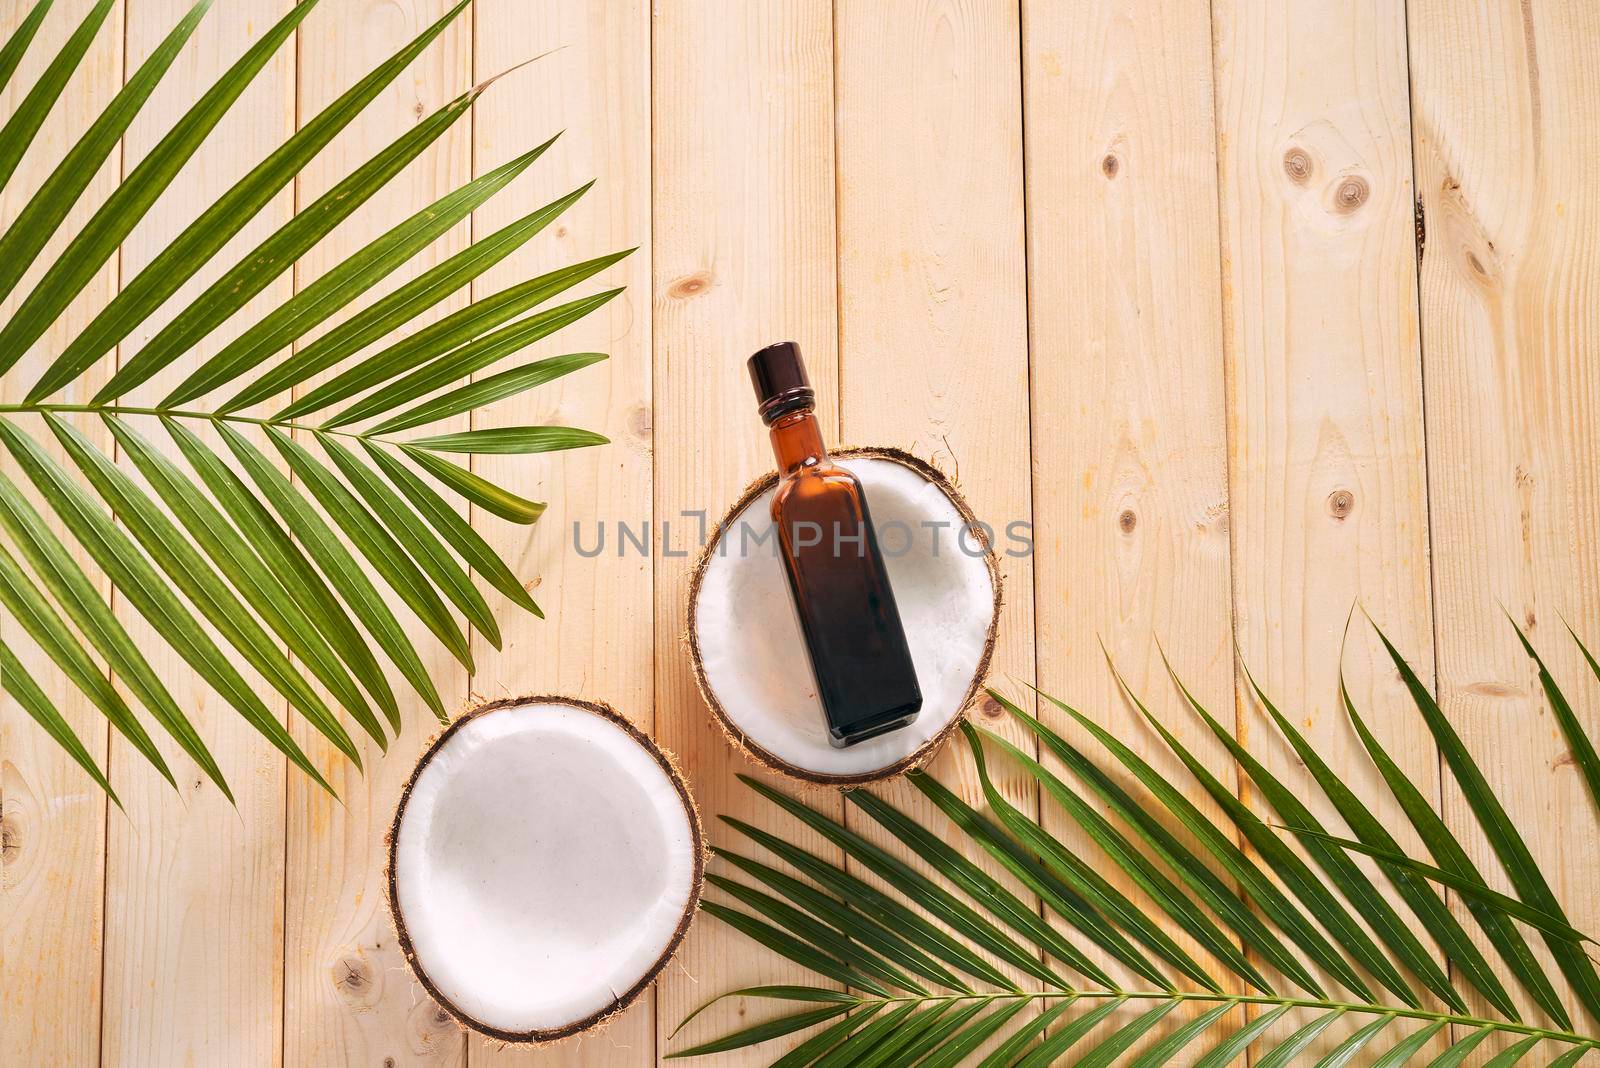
797,440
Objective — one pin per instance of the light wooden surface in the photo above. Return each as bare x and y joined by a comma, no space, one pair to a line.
1327,484
348,998
1511,367
53,828
1144,276
1129,431
933,298
744,253
185,865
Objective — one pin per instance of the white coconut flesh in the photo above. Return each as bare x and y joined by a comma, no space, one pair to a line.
545,863
752,657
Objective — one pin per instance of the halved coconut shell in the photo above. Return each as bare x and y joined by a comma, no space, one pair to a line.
749,657
545,861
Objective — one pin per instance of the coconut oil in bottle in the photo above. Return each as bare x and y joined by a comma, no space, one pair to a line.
853,635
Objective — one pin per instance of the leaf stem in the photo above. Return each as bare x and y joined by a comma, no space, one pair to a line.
1473,1022
180,413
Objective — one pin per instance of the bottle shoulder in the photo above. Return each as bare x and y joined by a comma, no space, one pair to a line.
820,482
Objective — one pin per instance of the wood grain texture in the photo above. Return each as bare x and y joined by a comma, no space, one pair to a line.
1129,432
52,816
598,639
1144,274
1507,142
933,310
348,996
184,866
932,275
1327,487
743,237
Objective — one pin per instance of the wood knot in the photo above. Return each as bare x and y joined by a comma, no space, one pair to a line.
1341,503
689,286
1476,265
352,975
1297,165
989,708
1127,520
1350,194
10,841
1110,165
429,1025
640,423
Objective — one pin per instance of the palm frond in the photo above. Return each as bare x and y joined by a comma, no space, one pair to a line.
1395,958
249,542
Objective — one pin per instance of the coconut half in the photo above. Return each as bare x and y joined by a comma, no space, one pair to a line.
748,654
544,864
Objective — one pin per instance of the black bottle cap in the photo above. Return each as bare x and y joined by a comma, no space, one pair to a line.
781,384
779,376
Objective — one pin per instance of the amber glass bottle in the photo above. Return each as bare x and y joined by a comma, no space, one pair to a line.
857,645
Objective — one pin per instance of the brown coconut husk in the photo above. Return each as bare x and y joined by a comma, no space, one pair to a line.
595,1021
929,749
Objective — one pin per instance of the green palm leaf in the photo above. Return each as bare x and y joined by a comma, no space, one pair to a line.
1075,892
458,363
1452,856
234,557
1233,1045
195,579
449,525
29,606
945,909
480,491
1166,1049
978,885
892,946
210,232
1508,844
398,308
1578,743
228,562
94,528
406,528
935,1036
488,390
1461,1049
824,1041
16,45
1402,1051
1350,880
93,245
51,202
19,131
16,681
471,329
966,1041
1106,1053
259,267
1283,1054
1424,903
334,290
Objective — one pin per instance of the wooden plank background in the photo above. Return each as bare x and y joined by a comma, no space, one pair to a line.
1147,277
